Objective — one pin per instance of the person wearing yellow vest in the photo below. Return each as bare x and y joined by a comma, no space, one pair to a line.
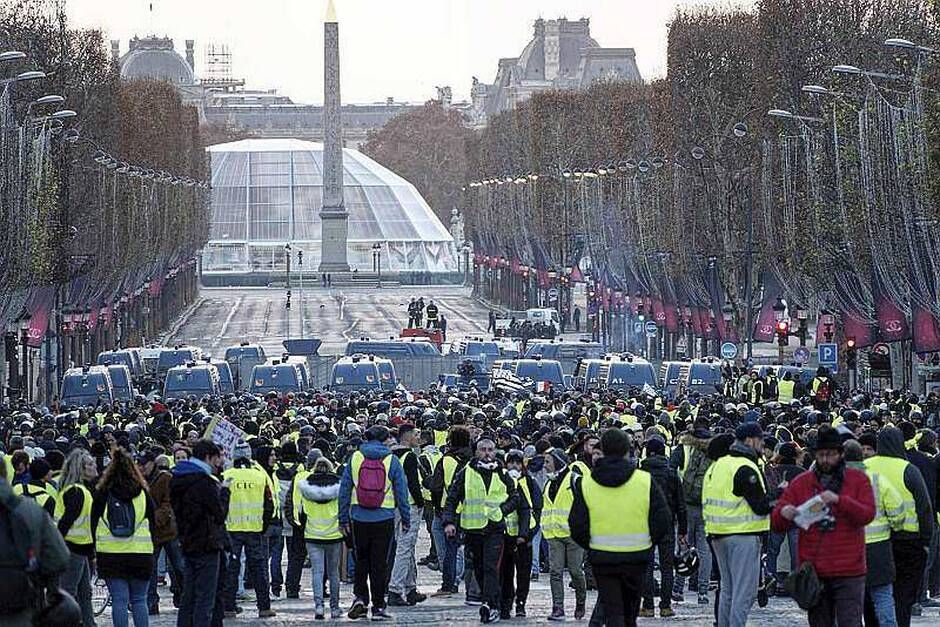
909,544
457,455
618,513
39,488
487,495
516,564
250,513
403,584
786,388
889,516
847,494
318,515
563,552
73,518
735,506
372,487
122,525
430,455
285,470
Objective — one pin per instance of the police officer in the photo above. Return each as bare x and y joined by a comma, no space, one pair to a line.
487,495
736,509
618,514
250,512
432,313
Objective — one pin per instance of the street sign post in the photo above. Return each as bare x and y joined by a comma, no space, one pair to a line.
729,350
651,328
801,355
828,354
638,327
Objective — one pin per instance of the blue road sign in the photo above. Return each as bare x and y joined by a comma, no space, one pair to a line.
801,355
729,350
828,354
651,328
638,327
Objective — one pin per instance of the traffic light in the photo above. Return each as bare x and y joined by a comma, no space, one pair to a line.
851,353
783,332
287,304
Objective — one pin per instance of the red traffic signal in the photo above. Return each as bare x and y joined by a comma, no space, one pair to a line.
850,343
783,328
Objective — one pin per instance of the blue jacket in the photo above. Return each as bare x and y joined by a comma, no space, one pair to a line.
374,450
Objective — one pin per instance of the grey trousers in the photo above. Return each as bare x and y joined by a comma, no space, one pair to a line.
698,540
739,563
564,552
405,571
76,580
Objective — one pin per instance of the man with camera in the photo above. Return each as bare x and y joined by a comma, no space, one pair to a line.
835,544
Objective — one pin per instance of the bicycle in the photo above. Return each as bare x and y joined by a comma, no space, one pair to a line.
100,596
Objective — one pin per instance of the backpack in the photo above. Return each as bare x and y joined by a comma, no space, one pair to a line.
370,485
121,517
694,477
18,590
822,392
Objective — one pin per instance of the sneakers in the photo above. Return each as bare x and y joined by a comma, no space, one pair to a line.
520,611
318,613
473,601
534,577
266,613
505,614
293,595
703,599
358,610
433,566
762,598
443,592
558,613
414,597
489,615
917,610
931,602
397,600
336,613
666,612
231,615
579,611
381,614
276,593
647,612
678,598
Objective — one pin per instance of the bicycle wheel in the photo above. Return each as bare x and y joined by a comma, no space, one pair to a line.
100,596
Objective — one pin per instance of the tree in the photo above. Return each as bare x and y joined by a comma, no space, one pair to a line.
429,147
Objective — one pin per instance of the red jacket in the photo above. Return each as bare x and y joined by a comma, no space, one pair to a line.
840,552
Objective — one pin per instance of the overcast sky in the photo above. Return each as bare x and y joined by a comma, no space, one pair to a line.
399,48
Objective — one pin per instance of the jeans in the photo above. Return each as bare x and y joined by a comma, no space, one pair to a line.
200,585
372,542
699,541
324,559
536,551
841,602
486,550
129,593
446,554
275,540
175,569
739,563
879,606
563,552
256,562
76,580
774,544
404,578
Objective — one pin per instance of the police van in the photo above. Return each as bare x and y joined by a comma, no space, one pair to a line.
176,356
355,373
191,379
624,372
226,381
241,359
121,382
392,348
86,386
540,371
704,377
672,377
564,350
123,357
276,377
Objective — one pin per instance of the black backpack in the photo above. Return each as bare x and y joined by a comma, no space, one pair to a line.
18,590
121,517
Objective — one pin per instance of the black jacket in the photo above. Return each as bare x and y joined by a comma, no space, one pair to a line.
436,481
412,473
891,444
667,479
515,502
613,472
200,505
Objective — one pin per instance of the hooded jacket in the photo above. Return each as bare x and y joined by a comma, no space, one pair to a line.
320,487
122,565
838,552
347,511
877,554
164,521
668,480
200,505
436,481
891,444
613,472
515,502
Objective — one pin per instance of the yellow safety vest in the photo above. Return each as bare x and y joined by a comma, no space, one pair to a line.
139,543
450,469
686,456
725,513
246,500
785,391
440,438
889,509
512,518
296,496
80,531
39,494
388,500
555,511
619,516
581,467
481,505
891,469
432,457
322,519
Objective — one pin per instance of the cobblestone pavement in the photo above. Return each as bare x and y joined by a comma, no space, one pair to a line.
779,613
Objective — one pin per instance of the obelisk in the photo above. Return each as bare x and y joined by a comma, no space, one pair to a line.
333,216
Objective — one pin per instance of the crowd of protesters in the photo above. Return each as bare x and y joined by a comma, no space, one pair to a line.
630,495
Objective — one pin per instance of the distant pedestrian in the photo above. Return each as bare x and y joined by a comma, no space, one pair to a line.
491,323
432,314
577,319
442,325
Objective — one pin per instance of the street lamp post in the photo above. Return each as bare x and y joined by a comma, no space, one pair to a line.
465,249
782,328
287,255
377,262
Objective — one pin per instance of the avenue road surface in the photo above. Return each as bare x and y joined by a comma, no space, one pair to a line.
222,317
